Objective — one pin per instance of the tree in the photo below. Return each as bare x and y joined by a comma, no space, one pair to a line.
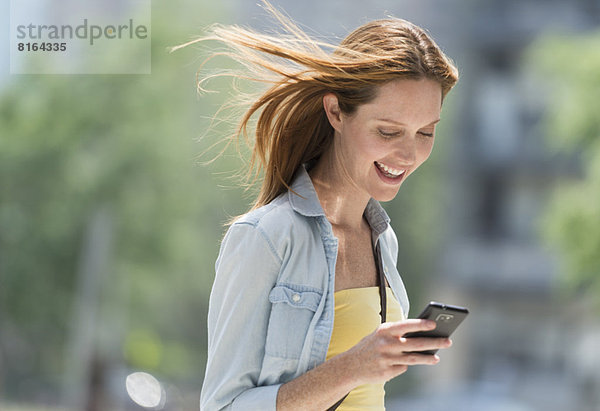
99,180
571,65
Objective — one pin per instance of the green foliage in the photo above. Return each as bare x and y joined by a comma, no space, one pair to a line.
70,145
570,66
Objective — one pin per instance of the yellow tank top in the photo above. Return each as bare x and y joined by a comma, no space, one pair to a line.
356,316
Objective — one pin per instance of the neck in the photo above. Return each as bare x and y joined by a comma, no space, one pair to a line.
343,204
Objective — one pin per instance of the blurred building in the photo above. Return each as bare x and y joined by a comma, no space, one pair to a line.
524,342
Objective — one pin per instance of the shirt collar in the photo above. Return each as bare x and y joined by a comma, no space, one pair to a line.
307,203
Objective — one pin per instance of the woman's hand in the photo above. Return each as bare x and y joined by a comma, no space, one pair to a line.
376,358
386,353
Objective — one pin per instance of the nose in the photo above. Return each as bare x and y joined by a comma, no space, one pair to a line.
406,150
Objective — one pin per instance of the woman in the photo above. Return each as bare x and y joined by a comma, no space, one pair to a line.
305,279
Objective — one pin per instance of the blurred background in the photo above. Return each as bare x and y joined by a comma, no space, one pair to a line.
110,224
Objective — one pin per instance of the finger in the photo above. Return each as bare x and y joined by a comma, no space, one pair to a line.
417,359
422,344
400,328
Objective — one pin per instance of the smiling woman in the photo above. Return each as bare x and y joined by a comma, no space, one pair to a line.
368,150
308,310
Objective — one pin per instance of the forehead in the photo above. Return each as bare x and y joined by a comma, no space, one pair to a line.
406,101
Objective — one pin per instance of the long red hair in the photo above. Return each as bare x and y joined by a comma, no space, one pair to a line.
292,127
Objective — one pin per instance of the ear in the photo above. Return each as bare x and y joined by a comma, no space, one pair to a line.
332,109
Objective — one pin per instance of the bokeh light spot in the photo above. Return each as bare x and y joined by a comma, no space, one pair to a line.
144,390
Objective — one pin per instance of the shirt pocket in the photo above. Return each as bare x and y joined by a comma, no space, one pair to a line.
293,308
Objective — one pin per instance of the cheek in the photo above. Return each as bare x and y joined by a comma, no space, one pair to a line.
363,147
372,151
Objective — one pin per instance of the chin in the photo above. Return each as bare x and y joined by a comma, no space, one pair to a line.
384,197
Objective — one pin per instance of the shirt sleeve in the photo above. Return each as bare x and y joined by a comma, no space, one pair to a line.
246,270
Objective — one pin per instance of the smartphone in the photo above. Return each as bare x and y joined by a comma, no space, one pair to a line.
447,318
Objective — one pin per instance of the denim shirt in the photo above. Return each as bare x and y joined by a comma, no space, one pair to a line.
271,307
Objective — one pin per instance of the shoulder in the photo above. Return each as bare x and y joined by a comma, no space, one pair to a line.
277,223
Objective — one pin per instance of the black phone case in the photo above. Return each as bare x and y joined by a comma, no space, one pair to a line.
447,318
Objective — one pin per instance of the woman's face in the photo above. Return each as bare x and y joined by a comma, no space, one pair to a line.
386,140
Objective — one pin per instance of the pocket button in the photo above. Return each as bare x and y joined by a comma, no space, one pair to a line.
296,298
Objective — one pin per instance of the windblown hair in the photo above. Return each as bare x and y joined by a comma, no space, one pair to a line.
292,127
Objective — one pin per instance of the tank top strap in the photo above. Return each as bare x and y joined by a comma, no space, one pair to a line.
381,282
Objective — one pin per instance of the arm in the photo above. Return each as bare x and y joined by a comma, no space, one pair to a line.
238,314
246,271
377,358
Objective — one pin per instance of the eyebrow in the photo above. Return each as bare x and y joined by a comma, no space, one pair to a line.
402,124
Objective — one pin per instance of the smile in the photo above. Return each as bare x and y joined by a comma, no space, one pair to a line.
389,171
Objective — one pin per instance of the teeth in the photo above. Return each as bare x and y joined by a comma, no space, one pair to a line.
390,170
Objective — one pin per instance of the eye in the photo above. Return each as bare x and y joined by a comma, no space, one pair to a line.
388,134
424,134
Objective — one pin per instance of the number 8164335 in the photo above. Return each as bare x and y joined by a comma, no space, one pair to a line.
46,46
